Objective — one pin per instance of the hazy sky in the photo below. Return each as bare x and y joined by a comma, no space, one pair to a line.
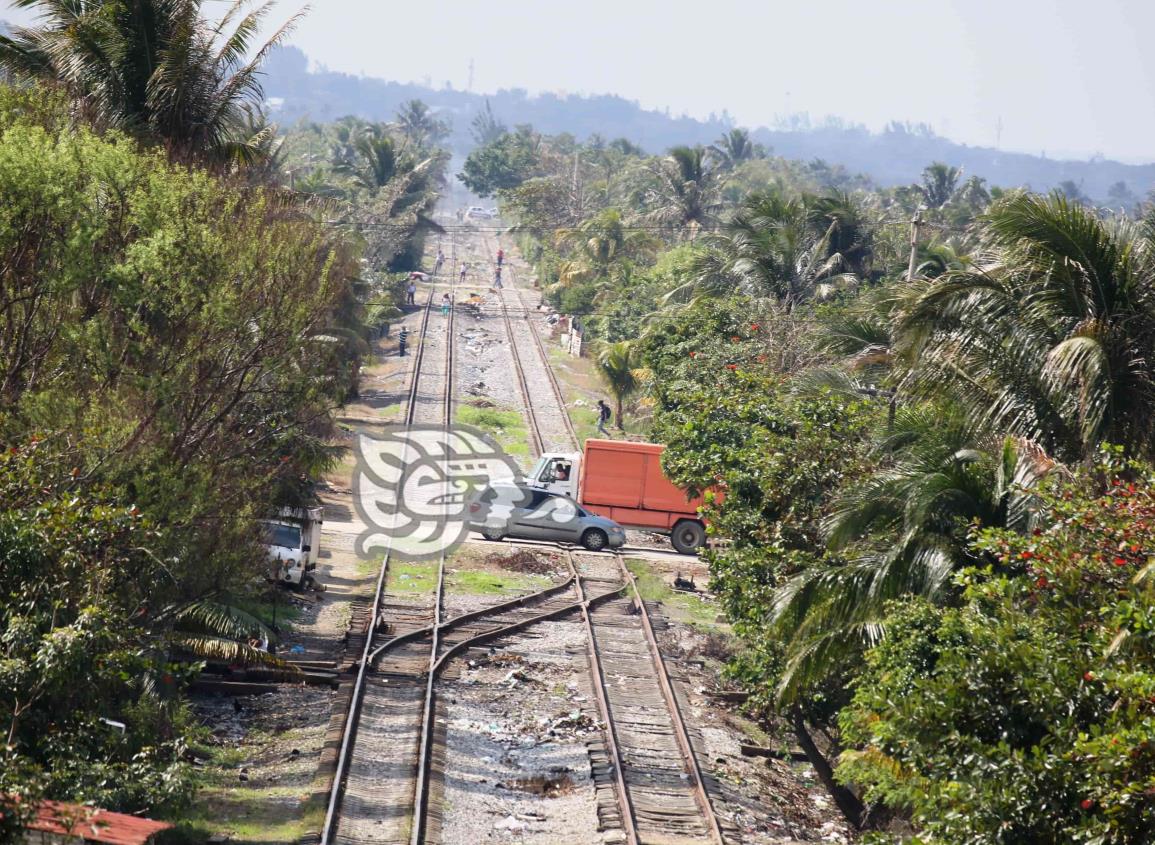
1065,76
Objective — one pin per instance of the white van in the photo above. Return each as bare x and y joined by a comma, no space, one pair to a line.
292,541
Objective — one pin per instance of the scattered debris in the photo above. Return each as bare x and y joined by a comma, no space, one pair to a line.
521,561
730,696
749,750
547,786
510,823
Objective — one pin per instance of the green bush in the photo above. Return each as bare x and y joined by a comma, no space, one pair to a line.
165,380
1026,713
577,299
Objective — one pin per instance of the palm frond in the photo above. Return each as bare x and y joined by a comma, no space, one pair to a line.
809,662
219,618
222,649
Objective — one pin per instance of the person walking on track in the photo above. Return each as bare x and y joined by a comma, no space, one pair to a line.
437,264
604,416
464,267
446,304
500,256
497,277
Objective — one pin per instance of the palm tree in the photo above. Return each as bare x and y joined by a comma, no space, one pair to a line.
618,367
902,531
774,248
848,233
939,182
1049,335
939,257
485,127
155,68
683,191
599,244
973,192
735,147
419,125
374,161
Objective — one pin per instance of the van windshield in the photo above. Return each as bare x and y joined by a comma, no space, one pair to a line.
287,536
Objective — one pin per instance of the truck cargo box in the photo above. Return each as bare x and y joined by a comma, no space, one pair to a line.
624,481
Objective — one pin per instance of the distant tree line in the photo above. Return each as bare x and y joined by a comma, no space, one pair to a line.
890,158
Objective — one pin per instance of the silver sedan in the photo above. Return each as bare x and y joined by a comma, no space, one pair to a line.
511,510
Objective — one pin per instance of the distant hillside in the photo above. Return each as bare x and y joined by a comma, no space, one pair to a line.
897,155
893,157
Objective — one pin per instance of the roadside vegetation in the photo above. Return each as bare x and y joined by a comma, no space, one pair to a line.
933,485
178,323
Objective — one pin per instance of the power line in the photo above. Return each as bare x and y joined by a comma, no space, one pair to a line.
633,227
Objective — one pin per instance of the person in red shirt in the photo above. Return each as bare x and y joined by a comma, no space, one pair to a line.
500,256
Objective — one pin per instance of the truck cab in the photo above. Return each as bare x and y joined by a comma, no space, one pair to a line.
557,472
287,550
292,540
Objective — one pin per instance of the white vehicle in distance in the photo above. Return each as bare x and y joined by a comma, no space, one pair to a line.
476,212
292,541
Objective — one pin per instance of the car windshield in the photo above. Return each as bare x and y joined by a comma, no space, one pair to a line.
287,536
535,473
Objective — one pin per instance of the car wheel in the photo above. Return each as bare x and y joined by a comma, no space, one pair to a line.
595,539
492,534
688,536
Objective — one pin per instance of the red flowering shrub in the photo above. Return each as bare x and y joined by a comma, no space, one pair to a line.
1027,712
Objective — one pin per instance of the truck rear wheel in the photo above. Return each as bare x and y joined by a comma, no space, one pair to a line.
688,536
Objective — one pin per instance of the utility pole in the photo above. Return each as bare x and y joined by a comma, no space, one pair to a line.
577,198
915,222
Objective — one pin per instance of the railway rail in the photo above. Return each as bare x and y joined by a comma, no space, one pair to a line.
666,796
654,797
389,753
368,799
549,423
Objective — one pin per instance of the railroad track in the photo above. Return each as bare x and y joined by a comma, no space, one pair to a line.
661,793
388,785
550,427
371,798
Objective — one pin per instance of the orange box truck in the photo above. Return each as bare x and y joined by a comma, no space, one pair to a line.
623,481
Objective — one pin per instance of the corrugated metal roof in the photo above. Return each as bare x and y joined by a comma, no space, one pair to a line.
94,824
